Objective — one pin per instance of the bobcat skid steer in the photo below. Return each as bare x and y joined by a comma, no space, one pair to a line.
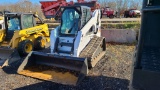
76,45
146,69
23,32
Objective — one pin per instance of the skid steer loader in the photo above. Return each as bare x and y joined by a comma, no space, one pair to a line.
23,32
76,45
146,68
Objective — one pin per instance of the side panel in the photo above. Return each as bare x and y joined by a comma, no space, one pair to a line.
80,43
53,37
83,38
99,24
35,30
84,35
30,34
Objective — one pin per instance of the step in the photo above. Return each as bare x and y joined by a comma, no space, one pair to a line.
66,44
66,52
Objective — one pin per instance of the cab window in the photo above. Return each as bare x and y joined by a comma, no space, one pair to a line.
27,21
13,23
70,19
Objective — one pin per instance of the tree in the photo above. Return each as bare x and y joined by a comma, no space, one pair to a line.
112,4
24,6
121,5
135,4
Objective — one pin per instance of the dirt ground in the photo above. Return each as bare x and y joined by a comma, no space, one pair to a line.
111,73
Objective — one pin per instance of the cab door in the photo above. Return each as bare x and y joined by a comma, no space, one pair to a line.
12,24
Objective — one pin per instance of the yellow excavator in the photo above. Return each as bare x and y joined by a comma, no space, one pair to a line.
76,45
23,33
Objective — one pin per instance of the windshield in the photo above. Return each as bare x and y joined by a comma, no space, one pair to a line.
13,24
27,21
70,19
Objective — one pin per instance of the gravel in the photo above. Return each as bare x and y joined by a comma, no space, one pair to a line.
111,73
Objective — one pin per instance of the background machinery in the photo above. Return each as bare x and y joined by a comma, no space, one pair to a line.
146,69
50,7
108,12
132,13
23,32
76,45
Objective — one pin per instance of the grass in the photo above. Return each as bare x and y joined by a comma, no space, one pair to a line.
126,25
120,59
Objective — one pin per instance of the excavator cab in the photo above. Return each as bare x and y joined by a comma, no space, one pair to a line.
146,67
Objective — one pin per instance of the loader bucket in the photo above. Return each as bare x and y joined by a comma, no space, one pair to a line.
8,56
60,69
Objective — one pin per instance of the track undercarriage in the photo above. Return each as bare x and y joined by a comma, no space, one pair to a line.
94,51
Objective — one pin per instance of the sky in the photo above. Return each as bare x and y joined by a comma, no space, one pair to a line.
14,1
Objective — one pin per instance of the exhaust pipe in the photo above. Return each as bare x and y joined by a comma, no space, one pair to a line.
55,68
8,56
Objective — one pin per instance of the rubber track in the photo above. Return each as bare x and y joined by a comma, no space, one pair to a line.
91,48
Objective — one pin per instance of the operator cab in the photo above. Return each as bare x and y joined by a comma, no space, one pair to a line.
16,21
70,20
73,19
